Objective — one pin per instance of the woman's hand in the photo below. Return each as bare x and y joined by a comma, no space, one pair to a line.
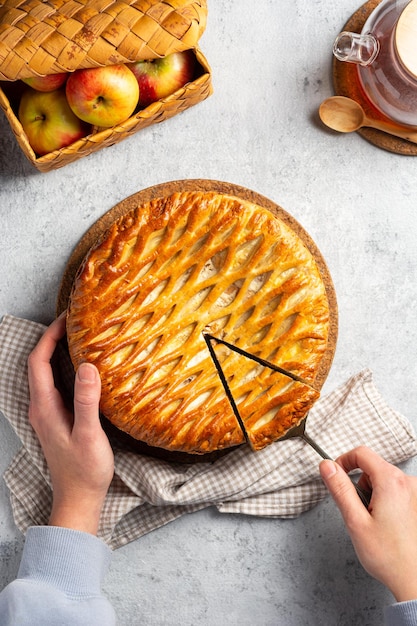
385,536
77,450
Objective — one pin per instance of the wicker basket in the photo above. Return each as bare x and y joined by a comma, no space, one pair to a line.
40,37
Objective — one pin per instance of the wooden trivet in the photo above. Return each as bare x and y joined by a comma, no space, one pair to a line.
346,83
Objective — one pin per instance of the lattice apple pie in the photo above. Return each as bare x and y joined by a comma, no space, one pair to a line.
179,267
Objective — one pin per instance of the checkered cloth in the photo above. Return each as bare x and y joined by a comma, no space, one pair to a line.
281,481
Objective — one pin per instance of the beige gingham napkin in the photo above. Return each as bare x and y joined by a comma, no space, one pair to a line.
280,481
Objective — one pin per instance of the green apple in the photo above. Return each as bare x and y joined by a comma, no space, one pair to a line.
103,96
48,121
159,78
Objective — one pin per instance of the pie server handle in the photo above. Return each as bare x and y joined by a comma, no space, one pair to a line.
364,495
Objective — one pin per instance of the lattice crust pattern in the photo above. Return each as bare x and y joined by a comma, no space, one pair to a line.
39,37
180,266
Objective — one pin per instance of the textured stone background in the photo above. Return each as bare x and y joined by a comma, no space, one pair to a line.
271,65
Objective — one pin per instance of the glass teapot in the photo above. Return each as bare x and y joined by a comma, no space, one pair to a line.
386,56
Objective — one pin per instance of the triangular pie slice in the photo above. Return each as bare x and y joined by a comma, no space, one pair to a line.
178,267
266,413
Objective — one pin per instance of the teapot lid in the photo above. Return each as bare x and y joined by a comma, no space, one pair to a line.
406,37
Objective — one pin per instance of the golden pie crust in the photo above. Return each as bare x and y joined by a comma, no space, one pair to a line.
179,266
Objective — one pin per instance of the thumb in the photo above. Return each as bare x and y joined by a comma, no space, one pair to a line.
86,397
342,491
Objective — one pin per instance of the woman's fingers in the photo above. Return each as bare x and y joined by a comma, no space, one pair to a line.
41,380
343,492
86,400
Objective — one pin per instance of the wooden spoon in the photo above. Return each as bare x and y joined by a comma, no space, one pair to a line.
346,115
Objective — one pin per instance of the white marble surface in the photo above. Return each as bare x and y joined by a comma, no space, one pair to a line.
271,69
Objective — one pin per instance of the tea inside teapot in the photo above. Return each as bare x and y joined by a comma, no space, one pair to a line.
386,57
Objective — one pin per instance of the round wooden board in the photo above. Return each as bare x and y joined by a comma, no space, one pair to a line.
346,83
146,195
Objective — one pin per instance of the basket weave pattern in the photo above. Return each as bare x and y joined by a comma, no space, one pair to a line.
41,37
47,37
159,111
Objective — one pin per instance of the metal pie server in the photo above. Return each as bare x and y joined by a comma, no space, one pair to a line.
296,431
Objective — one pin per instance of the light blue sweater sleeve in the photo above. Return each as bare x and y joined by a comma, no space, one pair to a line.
59,581
401,614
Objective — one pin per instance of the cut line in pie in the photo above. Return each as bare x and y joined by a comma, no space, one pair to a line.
289,398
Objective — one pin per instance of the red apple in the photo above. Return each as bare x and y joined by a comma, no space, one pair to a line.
46,83
103,96
159,78
48,120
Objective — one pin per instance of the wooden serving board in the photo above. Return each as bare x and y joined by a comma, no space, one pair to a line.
346,83
101,225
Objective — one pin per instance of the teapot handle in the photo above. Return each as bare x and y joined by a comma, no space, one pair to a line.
355,48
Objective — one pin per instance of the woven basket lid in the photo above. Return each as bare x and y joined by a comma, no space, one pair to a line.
39,37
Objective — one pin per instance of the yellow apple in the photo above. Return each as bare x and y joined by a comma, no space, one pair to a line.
48,120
